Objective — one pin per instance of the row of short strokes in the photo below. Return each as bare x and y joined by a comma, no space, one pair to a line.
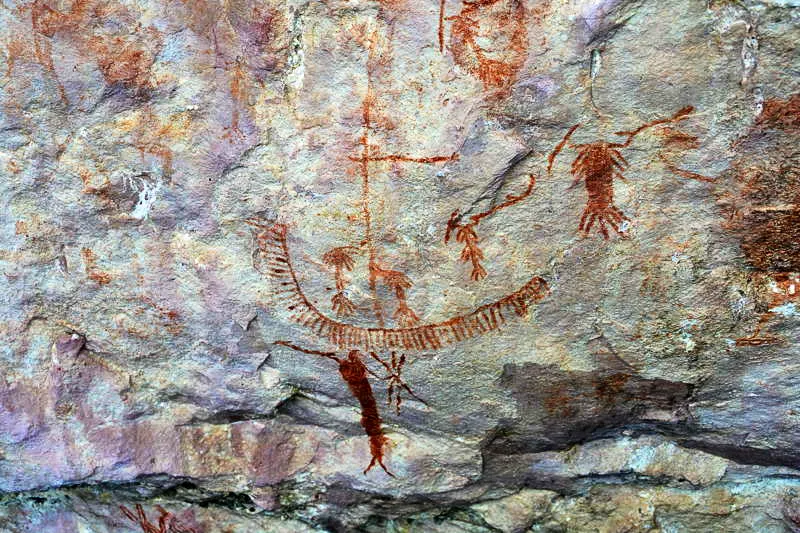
274,261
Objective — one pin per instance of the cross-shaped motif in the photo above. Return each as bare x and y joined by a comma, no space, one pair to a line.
371,153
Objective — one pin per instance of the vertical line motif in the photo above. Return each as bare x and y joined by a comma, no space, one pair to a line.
365,201
441,26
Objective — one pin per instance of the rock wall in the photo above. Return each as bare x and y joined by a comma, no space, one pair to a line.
486,265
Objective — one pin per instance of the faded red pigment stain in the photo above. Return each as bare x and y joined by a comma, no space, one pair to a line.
605,390
239,95
167,522
763,209
489,38
123,62
559,403
674,138
120,60
608,388
170,318
13,167
46,22
21,228
249,41
780,114
783,288
773,240
102,191
95,274
153,135
675,142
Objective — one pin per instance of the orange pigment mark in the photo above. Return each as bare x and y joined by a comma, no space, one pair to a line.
275,263
369,154
783,114
170,316
598,164
466,234
239,96
88,188
503,24
122,62
46,22
89,260
354,372
785,289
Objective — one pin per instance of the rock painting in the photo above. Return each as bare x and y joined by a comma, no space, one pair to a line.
489,39
761,207
597,165
167,522
273,259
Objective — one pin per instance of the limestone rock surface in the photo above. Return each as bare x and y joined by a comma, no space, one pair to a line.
534,265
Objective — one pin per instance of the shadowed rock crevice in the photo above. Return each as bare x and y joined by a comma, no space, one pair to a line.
565,408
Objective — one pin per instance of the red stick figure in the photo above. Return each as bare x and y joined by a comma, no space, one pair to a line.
597,165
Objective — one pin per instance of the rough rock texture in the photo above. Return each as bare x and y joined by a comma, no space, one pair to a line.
565,234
